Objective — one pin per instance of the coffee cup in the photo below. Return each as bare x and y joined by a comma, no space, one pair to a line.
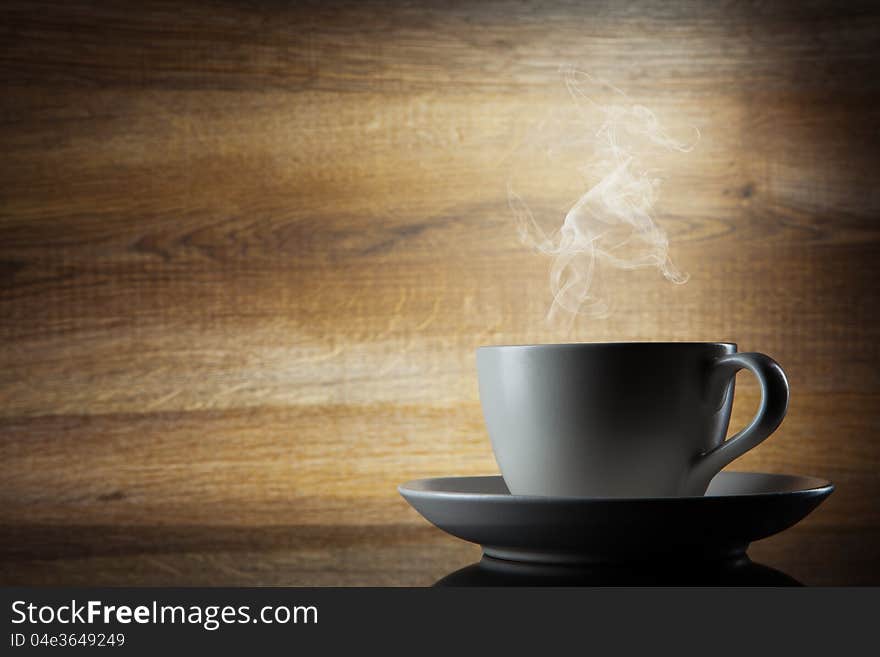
640,419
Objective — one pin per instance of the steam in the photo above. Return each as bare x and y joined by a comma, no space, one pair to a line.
611,224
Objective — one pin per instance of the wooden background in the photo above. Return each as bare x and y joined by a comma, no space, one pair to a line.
247,249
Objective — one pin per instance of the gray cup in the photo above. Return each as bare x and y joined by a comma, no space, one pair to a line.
620,419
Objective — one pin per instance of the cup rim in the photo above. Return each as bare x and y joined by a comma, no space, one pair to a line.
569,345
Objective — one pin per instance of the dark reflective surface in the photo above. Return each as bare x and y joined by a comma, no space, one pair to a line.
739,571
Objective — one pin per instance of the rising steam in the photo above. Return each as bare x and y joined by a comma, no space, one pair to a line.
611,223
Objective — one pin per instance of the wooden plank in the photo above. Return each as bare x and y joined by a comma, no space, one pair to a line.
345,556
247,556
359,334
340,464
246,252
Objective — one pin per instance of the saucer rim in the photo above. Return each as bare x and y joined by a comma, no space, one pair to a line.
821,486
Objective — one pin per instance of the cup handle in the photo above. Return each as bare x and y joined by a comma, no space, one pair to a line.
774,403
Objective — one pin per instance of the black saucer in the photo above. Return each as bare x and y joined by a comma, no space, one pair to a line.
738,508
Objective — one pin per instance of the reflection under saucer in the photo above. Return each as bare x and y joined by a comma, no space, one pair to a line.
738,571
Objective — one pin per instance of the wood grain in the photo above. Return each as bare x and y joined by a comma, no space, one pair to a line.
247,249
387,555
